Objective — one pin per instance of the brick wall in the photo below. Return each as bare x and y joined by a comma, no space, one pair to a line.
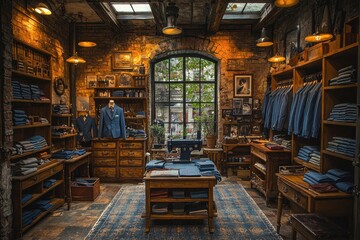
221,46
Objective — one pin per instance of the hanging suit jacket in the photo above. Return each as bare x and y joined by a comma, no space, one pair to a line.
112,123
86,128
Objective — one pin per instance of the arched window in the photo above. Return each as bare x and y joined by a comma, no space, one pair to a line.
184,88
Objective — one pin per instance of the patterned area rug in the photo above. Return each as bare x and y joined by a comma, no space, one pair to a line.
238,217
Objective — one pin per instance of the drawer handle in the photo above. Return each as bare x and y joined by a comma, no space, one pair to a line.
285,189
296,197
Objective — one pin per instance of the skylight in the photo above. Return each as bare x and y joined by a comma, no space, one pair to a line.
241,8
131,7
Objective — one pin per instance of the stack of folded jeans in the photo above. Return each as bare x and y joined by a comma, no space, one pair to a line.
342,145
343,112
35,92
38,142
140,134
60,109
19,117
189,172
43,204
79,152
140,114
346,75
49,182
118,93
29,215
282,140
63,154
155,164
26,197
24,166
343,179
25,91
136,133
306,151
43,120
315,158
205,165
198,193
312,178
16,88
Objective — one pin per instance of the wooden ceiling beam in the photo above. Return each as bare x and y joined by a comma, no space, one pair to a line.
216,13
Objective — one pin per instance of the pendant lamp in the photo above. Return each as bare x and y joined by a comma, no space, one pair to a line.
264,40
75,59
277,57
285,3
85,43
43,9
172,13
322,32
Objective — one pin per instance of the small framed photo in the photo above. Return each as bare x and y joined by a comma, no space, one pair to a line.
111,79
122,61
91,81
242,85
256,104
242,106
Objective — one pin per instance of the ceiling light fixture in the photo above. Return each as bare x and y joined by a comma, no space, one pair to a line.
285,3
264,40
43,9
75,59
322,32
277,58
172,13
85,43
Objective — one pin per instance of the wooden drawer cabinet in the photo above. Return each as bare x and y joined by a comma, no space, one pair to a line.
292,194
131,153
131,162
100,144
41,176
105,172
131,172
104,153
131,145
105,162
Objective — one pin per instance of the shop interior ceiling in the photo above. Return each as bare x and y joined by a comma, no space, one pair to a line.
195,16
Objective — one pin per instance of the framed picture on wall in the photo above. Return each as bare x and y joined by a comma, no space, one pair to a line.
291,43
91,81
242,106
122,61
111,79
242,86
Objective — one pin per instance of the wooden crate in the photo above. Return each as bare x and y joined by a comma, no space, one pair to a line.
243,173
86,193
336,43
318,50
351,31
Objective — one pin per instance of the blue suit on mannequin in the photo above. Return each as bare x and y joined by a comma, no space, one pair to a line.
112,121
86,129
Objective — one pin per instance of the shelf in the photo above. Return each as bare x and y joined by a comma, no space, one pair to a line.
233,164
56,202
313,64
284,74
259,169
31,126
170,199
345,86
345,124
307,164
29,153
62,115
24,74
123,87
30,101
64,136
120,98
338,155
39,195
344,52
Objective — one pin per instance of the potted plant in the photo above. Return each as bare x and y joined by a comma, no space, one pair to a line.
158,135
206,122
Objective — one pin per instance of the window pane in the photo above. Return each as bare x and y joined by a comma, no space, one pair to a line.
122,7
191,131
167,131
207,70
176,69
162,92
176,131
254,7
162,111
162,71
207,92
192,69
192,92
176,111
176,92
141,7
208,108
234,7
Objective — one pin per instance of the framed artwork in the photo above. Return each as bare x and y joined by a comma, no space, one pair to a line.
242,86
91,81
235,64
111,80
122,61
291,43
242,106
226,113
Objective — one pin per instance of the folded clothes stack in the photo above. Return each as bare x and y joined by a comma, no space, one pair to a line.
49,182
273,146
140,114
136,133
346,75
19,117
35,92
343,112
28,216
79,152
312,177
68,154
306,151
178,208
282,140
26,197
60,109
315,158
155,164
43,120
199,193
38,142
178,193
43,204
25,91
342,145
189,172
160,193
205,165
24,166
160,208
16,88
118,93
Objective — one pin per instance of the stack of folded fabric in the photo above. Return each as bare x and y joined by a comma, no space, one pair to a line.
342,145
25,166
343,112
118,93
140,134
155,164
79,152
160,193
35,92
26,197
189,172
312,178
282,140
306,151
43,120
343,179
63,154
315,158
178,193
273,146
25,91
16,89
178,208
43,204
197,208
160,208
49,182
60,109
346,75
140,114
38,141
29,215
19,117
136,133
198,193
207,168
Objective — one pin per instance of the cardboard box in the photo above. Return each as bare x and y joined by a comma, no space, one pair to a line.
86,193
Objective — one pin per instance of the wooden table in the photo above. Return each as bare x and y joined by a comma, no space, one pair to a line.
70,166
299,192
179,183
215,155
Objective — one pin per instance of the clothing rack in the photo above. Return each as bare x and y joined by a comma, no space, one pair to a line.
285,83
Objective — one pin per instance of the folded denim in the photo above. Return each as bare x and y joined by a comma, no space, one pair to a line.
346,68
309,180
339,172
318,177
345,186
26,197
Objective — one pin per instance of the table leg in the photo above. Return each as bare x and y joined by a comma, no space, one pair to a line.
279,212
147,207
211,224
69,192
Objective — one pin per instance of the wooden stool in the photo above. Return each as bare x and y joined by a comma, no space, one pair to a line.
313,226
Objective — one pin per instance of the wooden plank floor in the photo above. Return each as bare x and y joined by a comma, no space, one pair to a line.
76,223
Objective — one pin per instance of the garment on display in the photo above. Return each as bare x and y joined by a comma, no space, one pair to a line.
112,121
86,128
